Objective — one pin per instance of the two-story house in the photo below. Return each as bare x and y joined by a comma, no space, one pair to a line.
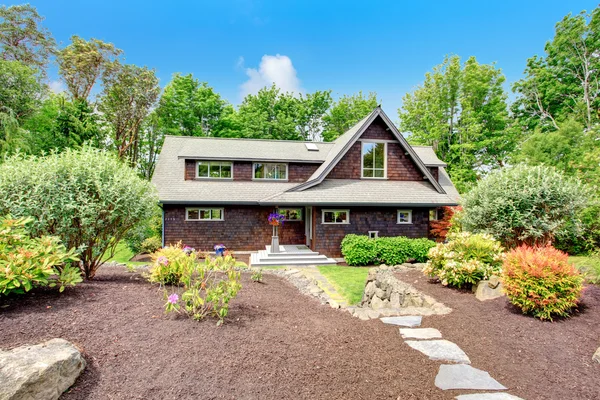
368,181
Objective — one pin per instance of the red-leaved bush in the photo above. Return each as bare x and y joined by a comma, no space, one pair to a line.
541,282
438,230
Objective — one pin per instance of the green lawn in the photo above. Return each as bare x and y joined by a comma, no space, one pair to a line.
123,255
589,266
350,281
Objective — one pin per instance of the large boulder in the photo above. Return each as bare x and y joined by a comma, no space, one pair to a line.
488,289
42,371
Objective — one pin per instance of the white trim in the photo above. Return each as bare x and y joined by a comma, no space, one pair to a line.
409,212
362,160
279,209
347,211
287,172
212,177
187,209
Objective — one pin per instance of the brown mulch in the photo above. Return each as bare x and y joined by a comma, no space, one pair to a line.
535,359
275,344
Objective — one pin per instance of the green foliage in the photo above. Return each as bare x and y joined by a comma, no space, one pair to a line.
465,259
150,245
256,275
148,228
531,205
22,38
20,89
26,262
589,266
462,111
346,112
541,282
171,264
86,197
206,287
361,250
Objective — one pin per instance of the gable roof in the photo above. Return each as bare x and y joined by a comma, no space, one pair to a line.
344,142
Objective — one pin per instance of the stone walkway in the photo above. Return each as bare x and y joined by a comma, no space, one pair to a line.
456,373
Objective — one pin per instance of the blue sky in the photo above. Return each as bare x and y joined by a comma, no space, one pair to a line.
345,46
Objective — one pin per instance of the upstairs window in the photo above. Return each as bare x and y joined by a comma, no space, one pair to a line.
270,171
373,160
214,169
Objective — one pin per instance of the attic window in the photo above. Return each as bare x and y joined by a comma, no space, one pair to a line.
311,147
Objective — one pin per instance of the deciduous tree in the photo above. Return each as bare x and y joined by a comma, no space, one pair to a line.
346,112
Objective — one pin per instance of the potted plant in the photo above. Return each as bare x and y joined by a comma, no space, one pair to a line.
220,249
275,220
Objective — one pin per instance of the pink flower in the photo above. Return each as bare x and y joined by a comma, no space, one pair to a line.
163,260
173,299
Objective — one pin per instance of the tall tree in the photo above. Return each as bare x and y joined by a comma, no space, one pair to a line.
20,89
565,82
127,99
189,107
461,111
311,110
152,136
346,112
23,38
82,63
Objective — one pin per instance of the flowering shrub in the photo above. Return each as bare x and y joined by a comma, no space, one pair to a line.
362,250
540,281
26,262
276,219
170,264
465,260
439,229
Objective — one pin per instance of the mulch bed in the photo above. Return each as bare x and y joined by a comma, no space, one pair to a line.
276,343
535,359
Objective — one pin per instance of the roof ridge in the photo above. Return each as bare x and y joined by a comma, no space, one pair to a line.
249,139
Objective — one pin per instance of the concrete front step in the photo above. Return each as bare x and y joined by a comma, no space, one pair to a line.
260,260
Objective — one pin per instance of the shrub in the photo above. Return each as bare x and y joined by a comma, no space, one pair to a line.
207,287
361,250
524,205
26,262
439,229
148,228
171,263
151,245
88,198
541,282
465,260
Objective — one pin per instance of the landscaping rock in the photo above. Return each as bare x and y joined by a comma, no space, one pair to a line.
596,356
494,281
42,371
488,290
441,350
408,320
420,333
462,376
487,396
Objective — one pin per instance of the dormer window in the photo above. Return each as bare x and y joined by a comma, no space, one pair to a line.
214,169
270,171
374,160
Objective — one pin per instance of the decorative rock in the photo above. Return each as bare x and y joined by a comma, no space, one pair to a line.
462,376
487,396
370,289
373,314
420,333
42,371
441,350
377,303
596,356
380,293
408,320
483,291
333,304
494,282
395,300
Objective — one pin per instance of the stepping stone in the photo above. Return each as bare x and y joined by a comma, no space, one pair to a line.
407,320
420,333
462,376
440,350
487,396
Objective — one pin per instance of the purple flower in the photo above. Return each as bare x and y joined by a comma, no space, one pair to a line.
173,299
276,219
219,247
188,250
163,260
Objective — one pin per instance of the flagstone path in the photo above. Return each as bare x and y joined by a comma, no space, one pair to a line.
459,374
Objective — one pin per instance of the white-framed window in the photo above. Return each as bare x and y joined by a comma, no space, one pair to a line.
214,169
373,234
404,217
291,214
433,214
374,160
270,171
204,214
336,216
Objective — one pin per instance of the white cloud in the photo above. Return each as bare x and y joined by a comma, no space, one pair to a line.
277,70
57,86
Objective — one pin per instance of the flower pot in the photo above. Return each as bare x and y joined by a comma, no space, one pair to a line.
220,252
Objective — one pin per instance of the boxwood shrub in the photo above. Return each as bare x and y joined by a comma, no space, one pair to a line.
361,250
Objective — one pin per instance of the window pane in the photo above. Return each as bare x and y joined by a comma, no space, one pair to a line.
192,214
341,217
216,214
404,216
379,155
329,215
270,171
368,152
282,171
378,173
215,170
203,169
226,170
204,214
433,214
259,171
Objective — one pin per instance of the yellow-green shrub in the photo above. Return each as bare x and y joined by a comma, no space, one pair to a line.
170,264
541,282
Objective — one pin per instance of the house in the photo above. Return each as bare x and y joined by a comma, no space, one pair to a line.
369,181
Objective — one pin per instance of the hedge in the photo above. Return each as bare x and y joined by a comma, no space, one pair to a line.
362,250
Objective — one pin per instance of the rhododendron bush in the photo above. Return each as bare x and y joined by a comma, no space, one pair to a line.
541,282
465,259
